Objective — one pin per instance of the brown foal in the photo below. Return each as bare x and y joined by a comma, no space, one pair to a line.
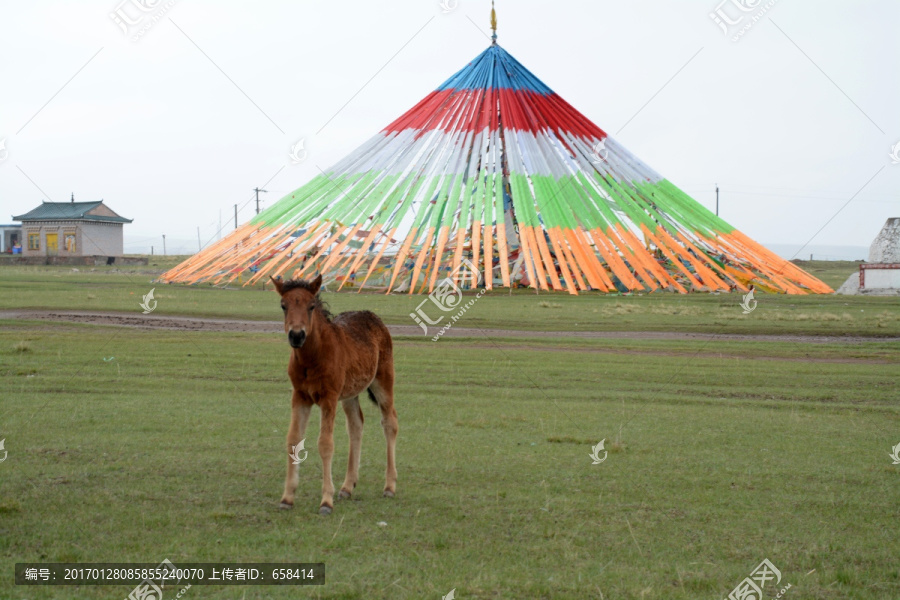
335,359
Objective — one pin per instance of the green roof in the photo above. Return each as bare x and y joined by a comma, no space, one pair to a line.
68,211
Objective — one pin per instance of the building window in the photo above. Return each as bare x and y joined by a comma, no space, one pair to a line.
34,241
69,242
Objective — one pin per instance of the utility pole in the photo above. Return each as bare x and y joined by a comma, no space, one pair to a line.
164,244
199,246
257,190
717,199
235,216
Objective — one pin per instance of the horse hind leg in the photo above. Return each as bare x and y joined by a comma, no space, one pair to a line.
382,392
355,431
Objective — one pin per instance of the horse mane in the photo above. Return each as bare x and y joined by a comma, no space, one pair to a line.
302,284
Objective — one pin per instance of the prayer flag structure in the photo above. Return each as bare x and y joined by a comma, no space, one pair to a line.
494,171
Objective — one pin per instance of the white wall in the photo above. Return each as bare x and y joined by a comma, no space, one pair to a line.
882,279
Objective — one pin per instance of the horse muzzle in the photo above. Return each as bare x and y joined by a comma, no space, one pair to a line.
296,338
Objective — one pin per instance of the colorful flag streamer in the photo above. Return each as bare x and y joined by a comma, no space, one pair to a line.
495,168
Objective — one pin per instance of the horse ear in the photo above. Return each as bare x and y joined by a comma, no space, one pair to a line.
316,284
278,283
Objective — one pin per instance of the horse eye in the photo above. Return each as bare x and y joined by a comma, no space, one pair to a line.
283,307
312,307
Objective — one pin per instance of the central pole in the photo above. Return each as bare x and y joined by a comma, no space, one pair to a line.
493,24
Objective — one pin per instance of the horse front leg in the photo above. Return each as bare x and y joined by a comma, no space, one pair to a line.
297,431
326,451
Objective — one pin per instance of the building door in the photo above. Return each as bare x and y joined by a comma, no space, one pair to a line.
52,244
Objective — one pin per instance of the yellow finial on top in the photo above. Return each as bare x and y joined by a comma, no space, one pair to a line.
493,22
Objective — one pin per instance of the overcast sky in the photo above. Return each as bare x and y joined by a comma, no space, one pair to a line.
176,125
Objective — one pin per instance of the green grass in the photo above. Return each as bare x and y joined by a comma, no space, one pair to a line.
136,445
174,449
831,272
108,288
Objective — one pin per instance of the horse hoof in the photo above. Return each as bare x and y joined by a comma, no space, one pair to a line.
325,510
344,495
388,494
286,505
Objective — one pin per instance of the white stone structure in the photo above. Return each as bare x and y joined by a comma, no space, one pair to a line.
880,276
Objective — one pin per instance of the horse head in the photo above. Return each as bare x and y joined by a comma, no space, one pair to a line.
299,301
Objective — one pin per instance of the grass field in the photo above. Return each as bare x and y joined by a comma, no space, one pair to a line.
107,288
130,445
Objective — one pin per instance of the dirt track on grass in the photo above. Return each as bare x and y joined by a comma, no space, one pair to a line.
153,321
